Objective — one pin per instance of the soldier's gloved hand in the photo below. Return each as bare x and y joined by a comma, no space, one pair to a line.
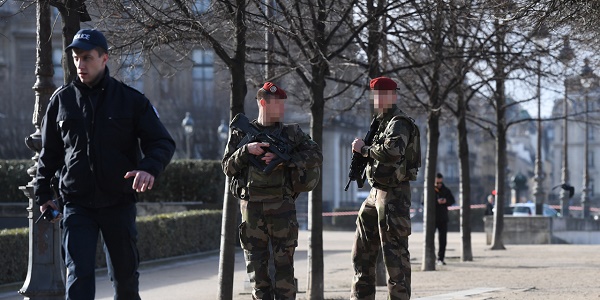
357,145
256,148
269,156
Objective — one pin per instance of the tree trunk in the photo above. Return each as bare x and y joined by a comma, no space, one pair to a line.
433,134
315,289
465,176
501,160
319,70
71,15
239,90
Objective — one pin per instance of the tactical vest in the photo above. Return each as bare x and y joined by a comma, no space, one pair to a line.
391,174
254,185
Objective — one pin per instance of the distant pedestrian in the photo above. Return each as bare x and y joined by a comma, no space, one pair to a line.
489,206
444,198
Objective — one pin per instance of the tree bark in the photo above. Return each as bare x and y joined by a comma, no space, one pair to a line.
239,90
501,159
465,176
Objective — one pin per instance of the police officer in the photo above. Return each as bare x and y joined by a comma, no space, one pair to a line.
383,220
267,201
92,134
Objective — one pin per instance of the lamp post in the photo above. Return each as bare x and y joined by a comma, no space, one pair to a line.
223,132
188,130
538,191
586,82
45,269
566,55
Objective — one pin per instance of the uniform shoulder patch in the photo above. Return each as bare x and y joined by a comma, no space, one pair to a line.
58,90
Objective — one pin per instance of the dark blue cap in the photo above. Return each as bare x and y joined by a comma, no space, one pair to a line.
88,39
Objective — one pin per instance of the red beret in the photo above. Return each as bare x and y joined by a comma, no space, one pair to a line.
383,83
274,90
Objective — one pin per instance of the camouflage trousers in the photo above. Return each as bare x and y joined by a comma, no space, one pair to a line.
274,223
383,223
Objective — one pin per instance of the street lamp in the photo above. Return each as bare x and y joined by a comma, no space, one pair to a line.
44,271
566,55
188,129
223,132
586,82
538,191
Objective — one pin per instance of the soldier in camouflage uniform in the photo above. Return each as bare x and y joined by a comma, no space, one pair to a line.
384,218
267,202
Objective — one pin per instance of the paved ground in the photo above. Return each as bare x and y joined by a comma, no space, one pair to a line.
519,272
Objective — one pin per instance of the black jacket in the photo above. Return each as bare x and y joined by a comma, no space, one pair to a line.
441,210
93,136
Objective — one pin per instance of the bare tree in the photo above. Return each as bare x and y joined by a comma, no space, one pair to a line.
424,47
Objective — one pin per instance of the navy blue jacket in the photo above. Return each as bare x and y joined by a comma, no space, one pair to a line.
441,210
93,136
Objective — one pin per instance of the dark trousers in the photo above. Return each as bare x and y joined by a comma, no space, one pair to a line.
442,228
81,228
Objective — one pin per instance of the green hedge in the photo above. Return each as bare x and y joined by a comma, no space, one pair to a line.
188,180
14,245
182,180
13,173
159,236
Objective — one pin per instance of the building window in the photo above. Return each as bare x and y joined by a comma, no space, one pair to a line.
132,70
59,75
203,77
452,171
591,159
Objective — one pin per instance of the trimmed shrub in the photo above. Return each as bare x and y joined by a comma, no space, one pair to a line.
159,236
182,180
14,244
13,173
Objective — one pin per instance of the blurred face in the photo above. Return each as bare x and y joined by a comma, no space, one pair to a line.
90,65
383,100
438,182
273,109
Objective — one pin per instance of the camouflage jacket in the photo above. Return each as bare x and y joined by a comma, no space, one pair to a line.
250,183
388,148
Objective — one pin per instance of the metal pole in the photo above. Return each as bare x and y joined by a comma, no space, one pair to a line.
539,176
188,145
44,277
585,201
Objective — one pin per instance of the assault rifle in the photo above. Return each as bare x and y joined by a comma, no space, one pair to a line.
359,162
277,144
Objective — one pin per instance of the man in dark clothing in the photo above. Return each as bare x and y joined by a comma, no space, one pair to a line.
92,134
444,199
489,206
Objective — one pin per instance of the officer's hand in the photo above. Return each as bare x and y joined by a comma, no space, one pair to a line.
442,200
143,180
269,156
50,203
256,148
357,144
